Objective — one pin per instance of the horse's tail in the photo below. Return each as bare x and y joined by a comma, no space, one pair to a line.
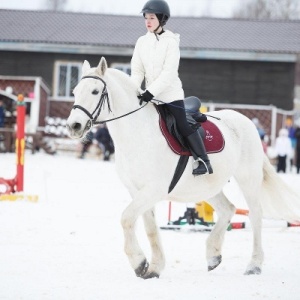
279,200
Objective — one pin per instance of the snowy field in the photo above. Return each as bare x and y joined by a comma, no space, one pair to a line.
69,244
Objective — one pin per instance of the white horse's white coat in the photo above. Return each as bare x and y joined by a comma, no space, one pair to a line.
146,165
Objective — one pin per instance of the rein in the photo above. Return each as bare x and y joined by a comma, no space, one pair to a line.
116,118
104,96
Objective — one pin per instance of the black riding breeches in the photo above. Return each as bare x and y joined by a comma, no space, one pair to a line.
177,109
281,163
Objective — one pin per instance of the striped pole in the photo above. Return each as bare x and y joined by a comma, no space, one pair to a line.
169,212
20,142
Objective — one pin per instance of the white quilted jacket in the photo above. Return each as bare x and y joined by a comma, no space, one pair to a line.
158,61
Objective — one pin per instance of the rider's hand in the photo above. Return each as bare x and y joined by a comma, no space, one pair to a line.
146,97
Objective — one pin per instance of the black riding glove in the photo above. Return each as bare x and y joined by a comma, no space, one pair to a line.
146,97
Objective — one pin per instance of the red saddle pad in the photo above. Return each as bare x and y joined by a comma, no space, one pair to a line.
214,141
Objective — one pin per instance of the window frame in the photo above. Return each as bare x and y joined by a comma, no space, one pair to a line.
69,65
125,67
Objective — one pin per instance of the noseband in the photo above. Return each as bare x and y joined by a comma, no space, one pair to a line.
104,96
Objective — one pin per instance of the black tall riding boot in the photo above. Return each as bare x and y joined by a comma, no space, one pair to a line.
199,153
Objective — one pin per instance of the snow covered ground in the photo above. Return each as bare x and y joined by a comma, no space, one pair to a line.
69,244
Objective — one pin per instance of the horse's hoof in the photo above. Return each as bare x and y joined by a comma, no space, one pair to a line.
142,269
214,262
253,271
150,275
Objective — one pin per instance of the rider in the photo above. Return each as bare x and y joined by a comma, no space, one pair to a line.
156,59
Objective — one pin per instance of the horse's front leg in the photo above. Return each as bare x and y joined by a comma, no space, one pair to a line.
158,259
142,204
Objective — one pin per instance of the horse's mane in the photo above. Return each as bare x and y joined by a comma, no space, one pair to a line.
126,82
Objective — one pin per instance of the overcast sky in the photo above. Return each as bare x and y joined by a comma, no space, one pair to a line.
213,8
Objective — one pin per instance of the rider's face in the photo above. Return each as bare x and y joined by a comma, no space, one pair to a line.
151,22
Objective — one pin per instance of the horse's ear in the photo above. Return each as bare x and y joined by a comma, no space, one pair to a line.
102,66
85,67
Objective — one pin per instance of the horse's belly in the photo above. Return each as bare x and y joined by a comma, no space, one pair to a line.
192,188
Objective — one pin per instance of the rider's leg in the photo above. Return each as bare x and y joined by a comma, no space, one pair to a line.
193,137
199,153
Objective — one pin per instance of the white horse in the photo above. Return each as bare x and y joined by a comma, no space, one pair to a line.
146,165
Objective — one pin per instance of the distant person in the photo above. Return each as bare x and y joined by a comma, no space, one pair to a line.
297,136
261,133
259,128
291,130
264,143
2,114
104,141
283,148
86,142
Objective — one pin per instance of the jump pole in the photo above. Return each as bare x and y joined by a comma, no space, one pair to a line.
20,143
17,184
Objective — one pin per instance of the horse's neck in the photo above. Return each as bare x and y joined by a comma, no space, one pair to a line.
139,124
122,91
124,98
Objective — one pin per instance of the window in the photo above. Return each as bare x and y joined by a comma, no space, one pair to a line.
125,67
67,75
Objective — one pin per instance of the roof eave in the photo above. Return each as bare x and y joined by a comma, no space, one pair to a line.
66,48
238,55
217,54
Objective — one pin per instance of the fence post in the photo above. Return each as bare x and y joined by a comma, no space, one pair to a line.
273,125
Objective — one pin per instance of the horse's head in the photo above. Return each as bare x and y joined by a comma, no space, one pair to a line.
91,98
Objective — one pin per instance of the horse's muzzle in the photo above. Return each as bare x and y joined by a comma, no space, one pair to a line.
74,130
77,130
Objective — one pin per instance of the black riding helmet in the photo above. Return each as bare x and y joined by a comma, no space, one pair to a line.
158,7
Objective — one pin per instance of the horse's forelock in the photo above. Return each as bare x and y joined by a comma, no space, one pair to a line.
90,72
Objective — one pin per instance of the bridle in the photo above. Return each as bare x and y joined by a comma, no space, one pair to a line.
103,98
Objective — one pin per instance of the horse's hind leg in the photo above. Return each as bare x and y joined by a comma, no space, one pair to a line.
225,211
252,196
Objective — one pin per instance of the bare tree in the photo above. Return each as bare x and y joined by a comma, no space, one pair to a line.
56,5
270,9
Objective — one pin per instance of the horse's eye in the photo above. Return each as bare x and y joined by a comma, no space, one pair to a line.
95,92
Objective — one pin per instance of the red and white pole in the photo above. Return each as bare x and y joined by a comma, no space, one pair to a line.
20,142
169,212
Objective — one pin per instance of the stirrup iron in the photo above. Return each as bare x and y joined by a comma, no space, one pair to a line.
198,161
